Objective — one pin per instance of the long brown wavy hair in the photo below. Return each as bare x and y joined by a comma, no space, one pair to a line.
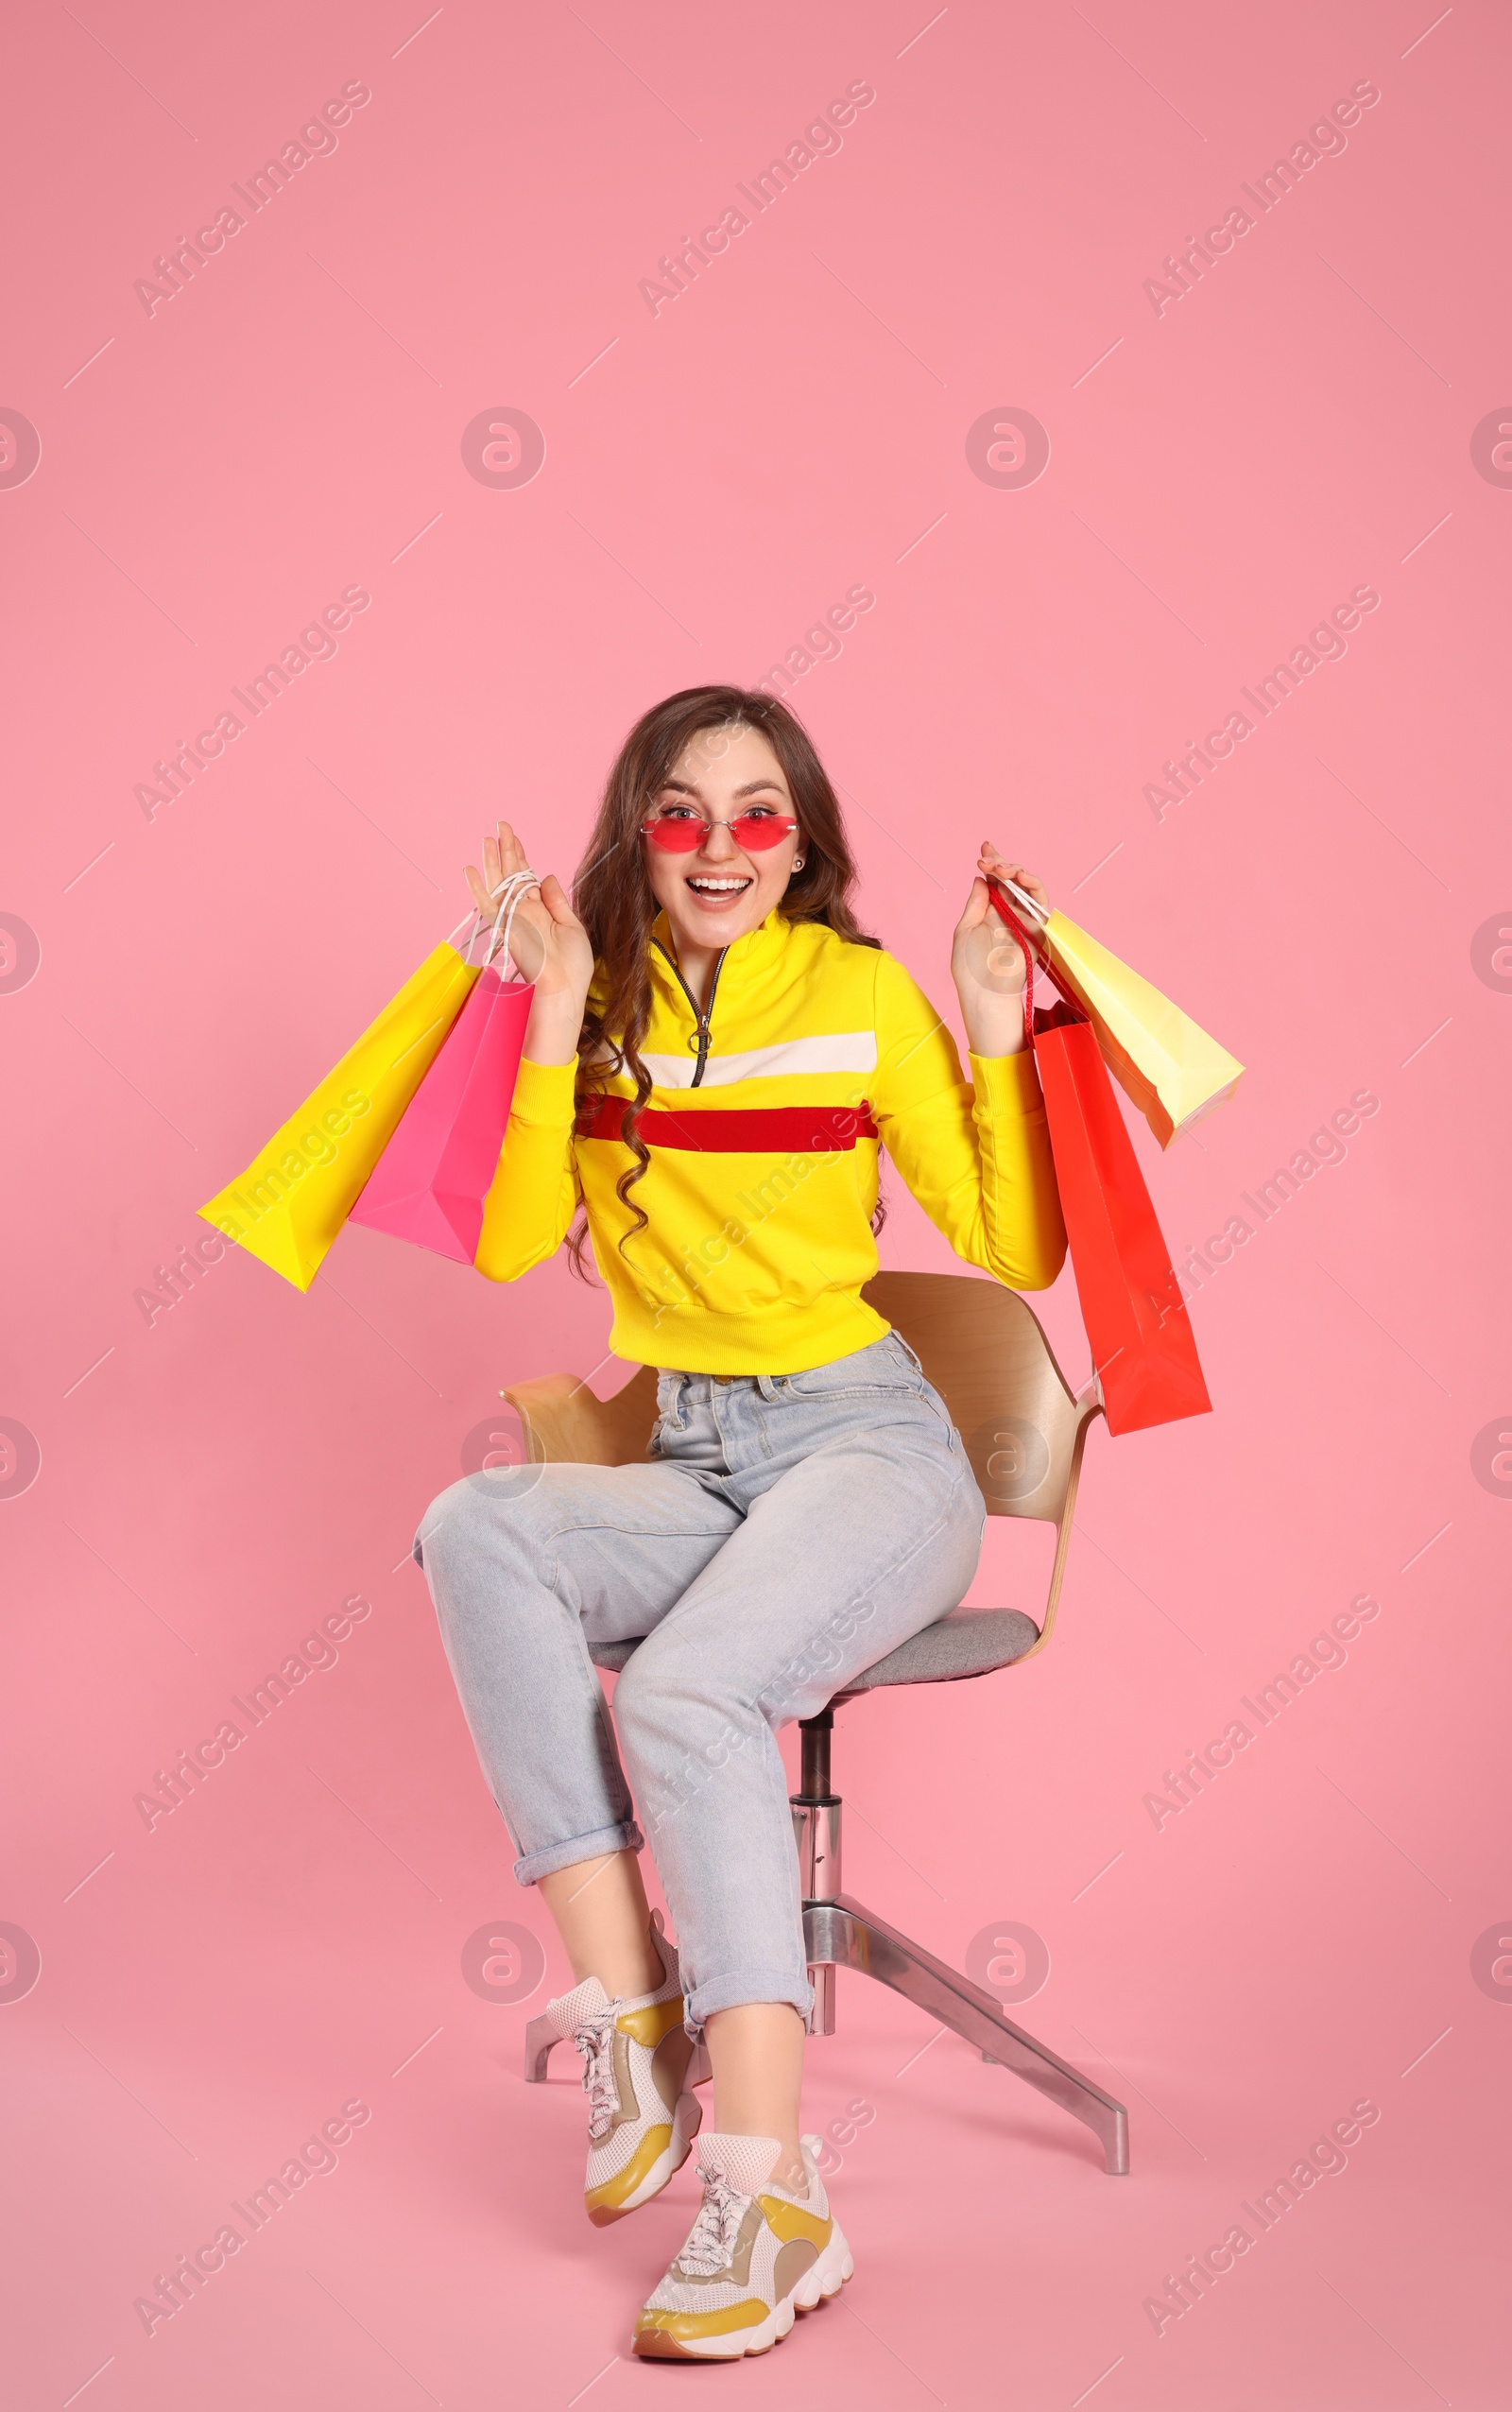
612,897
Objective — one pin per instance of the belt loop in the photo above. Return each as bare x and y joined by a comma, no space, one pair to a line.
908,1352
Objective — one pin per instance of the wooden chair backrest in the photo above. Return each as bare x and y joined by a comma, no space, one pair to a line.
564,1424
986,1355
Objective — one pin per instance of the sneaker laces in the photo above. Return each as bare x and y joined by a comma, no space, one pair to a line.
712,2237
593,2037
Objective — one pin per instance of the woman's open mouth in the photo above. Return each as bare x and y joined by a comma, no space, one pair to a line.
715,890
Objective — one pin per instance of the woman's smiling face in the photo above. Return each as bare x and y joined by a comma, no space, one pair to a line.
720,889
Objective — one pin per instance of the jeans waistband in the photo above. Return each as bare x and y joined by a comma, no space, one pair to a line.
770,1384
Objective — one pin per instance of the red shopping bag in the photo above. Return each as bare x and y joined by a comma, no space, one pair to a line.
1137,1321
430,1183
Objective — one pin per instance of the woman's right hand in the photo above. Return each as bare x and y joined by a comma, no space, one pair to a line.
548,945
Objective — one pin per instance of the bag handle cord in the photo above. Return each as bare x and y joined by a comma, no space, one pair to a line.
510,893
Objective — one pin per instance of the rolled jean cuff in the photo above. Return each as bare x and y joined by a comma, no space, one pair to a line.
752,1985
537,1864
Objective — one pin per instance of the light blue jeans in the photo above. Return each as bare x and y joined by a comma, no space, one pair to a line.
787,1531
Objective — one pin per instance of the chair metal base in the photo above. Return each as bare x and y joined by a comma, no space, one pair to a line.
839,1933
842,1934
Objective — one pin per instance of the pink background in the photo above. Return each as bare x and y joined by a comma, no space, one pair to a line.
213,1483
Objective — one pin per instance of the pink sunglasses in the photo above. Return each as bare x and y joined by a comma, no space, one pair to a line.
678,830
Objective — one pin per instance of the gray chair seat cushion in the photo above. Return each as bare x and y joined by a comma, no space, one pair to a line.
969,1641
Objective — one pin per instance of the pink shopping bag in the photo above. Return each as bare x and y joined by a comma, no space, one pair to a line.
430,1182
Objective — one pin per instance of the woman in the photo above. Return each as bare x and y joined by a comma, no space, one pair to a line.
715,1057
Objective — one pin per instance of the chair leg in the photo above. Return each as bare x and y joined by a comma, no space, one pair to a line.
821,2017
539,2037
841,1933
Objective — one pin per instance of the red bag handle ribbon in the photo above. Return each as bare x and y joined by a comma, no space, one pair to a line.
1035,957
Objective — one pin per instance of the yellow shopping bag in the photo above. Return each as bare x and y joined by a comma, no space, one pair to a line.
1172,1070
298,1191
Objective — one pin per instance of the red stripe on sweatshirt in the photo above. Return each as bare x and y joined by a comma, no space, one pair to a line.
772,1130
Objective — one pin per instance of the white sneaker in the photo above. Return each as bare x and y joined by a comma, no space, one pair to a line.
758,2253
639,2070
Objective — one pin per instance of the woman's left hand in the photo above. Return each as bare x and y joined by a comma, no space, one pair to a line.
987,961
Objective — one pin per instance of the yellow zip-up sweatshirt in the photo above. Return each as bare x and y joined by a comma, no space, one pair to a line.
764,1128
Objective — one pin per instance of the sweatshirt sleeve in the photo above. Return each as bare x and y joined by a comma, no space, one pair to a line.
535,1191
976,1158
